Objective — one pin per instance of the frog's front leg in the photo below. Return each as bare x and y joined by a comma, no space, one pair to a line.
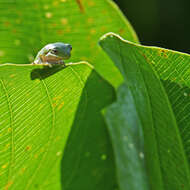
37,61
43,63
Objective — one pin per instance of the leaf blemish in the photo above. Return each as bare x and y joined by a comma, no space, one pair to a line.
28,148
90,20
12,75
7,145
4,166
64,21
81,7
46,7
163,53
58,153
141,155
22,170
92,31
103,157
48,15
185,94
2,53
144,56
131,145
121,31
8,185
61,105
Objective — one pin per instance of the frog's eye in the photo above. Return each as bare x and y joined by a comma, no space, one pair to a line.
54,51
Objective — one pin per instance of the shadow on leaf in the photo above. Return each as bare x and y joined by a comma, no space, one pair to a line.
45,72
88,156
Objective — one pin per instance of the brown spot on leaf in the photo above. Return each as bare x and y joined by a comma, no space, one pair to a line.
61,105
90,20
28,148
59,32
12,75
92,31
7,23
14,31
4,166
8,185
144,56
64,21
163,53
54,24
121,31
90,3
103,29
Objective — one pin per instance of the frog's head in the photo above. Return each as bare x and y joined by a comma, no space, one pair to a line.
60,50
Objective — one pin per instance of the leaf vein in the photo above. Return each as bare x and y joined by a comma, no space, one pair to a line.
12,158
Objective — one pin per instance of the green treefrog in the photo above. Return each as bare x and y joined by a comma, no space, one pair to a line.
53,54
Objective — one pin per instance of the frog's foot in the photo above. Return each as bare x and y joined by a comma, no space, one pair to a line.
35,63
60,62
43,64
38,62
51,64
48,64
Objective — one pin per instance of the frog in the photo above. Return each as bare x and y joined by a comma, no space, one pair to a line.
53,54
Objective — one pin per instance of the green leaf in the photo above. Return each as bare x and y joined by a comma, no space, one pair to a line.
51,131
47,112
26,26
148,109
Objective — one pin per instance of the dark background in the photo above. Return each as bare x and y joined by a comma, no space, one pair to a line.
164,23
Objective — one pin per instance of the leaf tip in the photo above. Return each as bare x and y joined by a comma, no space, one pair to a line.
110,35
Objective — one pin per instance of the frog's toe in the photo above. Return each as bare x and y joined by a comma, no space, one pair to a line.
47,64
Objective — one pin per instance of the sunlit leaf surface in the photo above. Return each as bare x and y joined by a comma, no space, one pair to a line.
51,129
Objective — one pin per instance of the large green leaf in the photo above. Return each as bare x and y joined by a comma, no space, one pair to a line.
27,25
45,112
146,107
51,131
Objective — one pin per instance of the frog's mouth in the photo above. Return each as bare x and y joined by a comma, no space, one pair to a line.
67,56
51,58
59,57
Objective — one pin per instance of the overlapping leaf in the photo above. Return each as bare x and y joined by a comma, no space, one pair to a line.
165,144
